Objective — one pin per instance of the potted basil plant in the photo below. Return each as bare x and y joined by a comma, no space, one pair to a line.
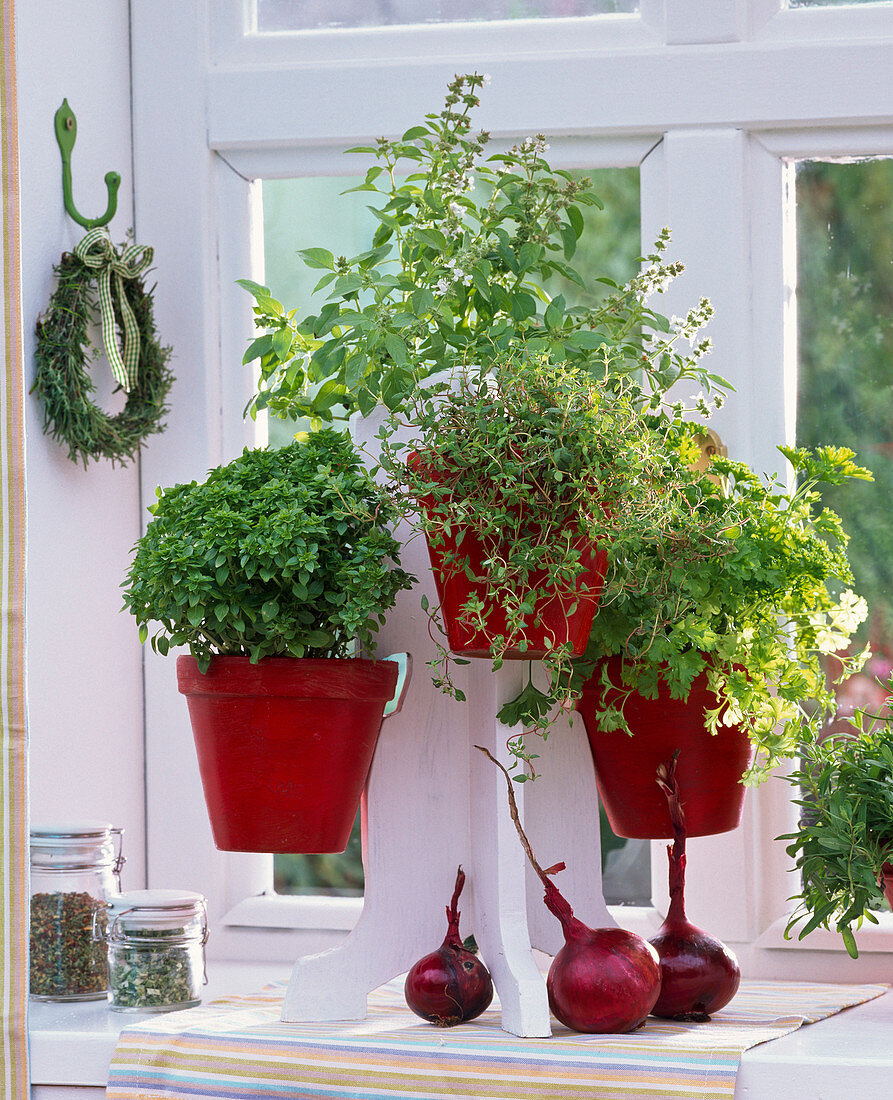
275,573
843,844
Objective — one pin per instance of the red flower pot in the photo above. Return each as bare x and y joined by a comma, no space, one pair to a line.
887,870
284,746
709,769
552,622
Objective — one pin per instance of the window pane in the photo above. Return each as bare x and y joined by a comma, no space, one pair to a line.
302,15
832,3
315,212
845,392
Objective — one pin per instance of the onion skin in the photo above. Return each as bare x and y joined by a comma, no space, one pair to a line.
604,980
451,985
700,975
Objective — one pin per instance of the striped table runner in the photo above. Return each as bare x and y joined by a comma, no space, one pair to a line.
237,1047
13,731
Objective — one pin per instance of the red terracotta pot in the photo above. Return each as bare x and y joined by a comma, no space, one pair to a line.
284,746
552,623
709,769
887,870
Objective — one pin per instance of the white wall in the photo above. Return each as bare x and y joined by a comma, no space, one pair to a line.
85,672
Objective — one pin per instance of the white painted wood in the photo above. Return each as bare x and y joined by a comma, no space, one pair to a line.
562,821
691,21
84,659
499,862
726,195
649,92
329,159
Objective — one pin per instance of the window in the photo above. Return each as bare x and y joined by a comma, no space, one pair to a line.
714,104
286,15
845,379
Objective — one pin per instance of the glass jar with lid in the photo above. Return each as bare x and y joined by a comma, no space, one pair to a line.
75,867
156,949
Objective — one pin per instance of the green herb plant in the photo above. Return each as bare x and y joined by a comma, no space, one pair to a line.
747,582
455,277
538,461
845,832
280,553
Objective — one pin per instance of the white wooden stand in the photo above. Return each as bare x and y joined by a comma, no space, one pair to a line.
432,803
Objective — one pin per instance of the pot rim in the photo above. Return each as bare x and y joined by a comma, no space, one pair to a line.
300,677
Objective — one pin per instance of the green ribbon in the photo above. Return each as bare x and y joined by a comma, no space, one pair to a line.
97,252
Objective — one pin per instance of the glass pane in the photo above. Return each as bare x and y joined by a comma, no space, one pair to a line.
302,15
329,875
315,212
833,3
845,392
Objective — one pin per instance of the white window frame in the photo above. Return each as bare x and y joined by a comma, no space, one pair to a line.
714,101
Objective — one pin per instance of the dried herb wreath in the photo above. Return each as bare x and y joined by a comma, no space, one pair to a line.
64,384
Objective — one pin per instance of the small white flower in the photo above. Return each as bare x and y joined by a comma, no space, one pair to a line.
443,285
486,78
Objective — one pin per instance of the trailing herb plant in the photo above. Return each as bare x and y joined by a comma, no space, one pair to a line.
845,833
280,553
537,463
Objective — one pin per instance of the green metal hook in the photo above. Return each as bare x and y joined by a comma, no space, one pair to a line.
66,134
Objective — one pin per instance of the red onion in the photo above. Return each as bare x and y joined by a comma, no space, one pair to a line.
700,974
451,985
603,979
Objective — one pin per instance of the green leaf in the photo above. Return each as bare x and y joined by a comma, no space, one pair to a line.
555,313
282,341
432,237
569,239
317,257
254,288
258,347
396,348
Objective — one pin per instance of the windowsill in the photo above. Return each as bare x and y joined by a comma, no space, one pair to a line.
869,938
838,1058
72,1043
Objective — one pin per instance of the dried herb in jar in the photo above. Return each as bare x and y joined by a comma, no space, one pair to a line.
66,961
154,968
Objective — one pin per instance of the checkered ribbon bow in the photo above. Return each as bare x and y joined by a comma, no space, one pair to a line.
96,251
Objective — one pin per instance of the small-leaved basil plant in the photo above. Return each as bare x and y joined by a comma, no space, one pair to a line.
280,553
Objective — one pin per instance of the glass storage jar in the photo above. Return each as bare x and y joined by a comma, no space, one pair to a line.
156,946
75,867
